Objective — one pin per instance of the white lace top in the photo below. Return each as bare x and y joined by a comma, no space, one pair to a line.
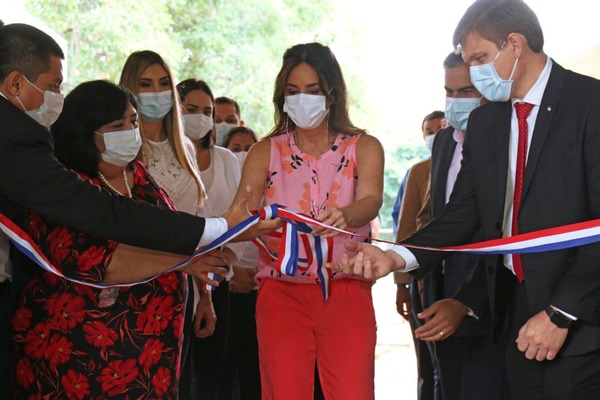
161,160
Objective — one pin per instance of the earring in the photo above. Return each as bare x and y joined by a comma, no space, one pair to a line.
286,124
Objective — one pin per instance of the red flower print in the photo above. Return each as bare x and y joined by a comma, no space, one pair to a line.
58,350
23,372
99,335
117,376
168,282
66,311
161,381
178,326
76,385
90,258
59,243
21,319
151,353
52,279
36,340
157,316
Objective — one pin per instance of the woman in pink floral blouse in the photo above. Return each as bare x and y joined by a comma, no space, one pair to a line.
317,162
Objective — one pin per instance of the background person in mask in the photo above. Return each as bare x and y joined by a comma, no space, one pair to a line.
213,355
413,207
470,360
431,124
37,181
317,162
227,116
550,299
239,140
129,339
168,153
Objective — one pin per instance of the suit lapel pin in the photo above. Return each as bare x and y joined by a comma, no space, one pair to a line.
549,108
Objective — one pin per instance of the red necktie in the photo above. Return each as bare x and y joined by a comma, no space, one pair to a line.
522,110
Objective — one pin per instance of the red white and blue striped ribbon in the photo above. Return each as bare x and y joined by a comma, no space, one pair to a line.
25,244
567,236
295,232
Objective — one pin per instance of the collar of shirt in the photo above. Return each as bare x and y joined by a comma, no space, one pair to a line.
535,94
458,136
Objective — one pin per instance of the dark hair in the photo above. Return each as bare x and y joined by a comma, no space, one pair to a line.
331,80
453,60
229,100
183,88
26,49
494,20
434,115
88,107
239,129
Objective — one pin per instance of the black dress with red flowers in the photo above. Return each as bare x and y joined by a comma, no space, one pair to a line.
73,341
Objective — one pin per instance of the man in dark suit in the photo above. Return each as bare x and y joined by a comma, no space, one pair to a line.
552,298
32,179
455,297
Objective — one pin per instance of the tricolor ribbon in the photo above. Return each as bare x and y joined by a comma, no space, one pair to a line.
25,244
296,232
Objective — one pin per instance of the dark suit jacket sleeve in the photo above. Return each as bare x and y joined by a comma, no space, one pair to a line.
457,224
31,178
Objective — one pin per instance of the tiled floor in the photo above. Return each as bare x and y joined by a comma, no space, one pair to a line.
395,364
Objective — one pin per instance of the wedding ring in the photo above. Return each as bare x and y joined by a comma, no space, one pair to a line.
441,333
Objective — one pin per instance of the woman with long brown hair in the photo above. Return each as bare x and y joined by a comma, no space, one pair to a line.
317,162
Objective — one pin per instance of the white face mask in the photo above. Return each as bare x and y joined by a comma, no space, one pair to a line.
121,147
429,142
222,129
196,126
306,110
153,106
50,109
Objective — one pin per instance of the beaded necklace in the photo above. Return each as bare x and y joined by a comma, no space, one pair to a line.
103,179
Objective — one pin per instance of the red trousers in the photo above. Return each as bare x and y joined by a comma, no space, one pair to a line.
296,326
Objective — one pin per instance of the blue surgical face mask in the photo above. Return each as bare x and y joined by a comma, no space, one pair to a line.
153,106
486,80
121,147
222,129
458,110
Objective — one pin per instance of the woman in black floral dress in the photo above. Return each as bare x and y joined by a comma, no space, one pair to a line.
74,341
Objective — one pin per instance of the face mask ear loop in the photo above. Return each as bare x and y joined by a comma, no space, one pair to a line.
513,70
22,106
498,53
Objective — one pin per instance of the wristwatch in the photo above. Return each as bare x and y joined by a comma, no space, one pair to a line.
559,319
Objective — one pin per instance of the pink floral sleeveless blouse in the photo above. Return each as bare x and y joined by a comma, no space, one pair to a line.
310,184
